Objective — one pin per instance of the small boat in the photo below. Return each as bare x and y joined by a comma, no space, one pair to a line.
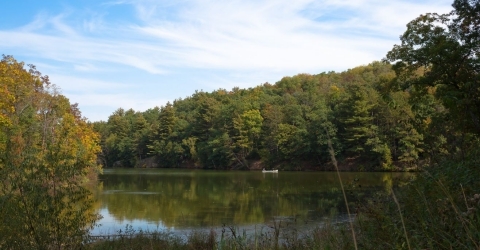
270,171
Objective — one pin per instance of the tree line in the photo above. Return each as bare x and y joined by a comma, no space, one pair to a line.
286,124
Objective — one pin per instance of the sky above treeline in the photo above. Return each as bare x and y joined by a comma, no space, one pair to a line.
143,53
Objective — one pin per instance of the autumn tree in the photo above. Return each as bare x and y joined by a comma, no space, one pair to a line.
48,153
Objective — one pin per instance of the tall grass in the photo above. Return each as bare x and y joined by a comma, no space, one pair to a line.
330,236
439,210
334,160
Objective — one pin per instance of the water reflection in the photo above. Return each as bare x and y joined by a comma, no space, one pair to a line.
184,199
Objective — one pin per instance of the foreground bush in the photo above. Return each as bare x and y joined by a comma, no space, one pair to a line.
440,210
47,152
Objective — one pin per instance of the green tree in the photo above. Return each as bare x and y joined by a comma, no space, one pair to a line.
141,133
273,116
356,116
119,144
248,126
204,127
292,142
165,143
322,129
442,51
219,152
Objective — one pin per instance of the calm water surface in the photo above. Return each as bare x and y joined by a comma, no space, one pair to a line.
182,200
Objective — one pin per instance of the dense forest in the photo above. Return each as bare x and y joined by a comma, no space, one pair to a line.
372,124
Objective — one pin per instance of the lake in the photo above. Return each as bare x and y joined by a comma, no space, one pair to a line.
180,200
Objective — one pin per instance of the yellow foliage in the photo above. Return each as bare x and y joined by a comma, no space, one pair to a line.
49,150
334,88
427,121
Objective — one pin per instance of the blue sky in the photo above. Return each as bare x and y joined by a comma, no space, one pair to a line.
143,53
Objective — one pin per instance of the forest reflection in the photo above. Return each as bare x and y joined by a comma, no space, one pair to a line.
178,199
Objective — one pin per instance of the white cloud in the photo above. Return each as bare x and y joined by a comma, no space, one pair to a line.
85,85
94,23
98,107
85,67
237,35
278,35
115,101
236,43
98,98
83,49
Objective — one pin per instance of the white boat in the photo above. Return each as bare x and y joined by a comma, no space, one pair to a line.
269,171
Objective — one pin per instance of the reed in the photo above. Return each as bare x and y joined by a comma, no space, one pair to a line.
334,161
330,236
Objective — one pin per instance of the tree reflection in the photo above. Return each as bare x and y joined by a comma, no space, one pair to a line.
184,199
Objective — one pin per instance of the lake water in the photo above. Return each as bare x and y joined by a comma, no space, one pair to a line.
181,200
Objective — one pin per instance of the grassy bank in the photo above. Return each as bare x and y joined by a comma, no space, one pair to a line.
326,237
